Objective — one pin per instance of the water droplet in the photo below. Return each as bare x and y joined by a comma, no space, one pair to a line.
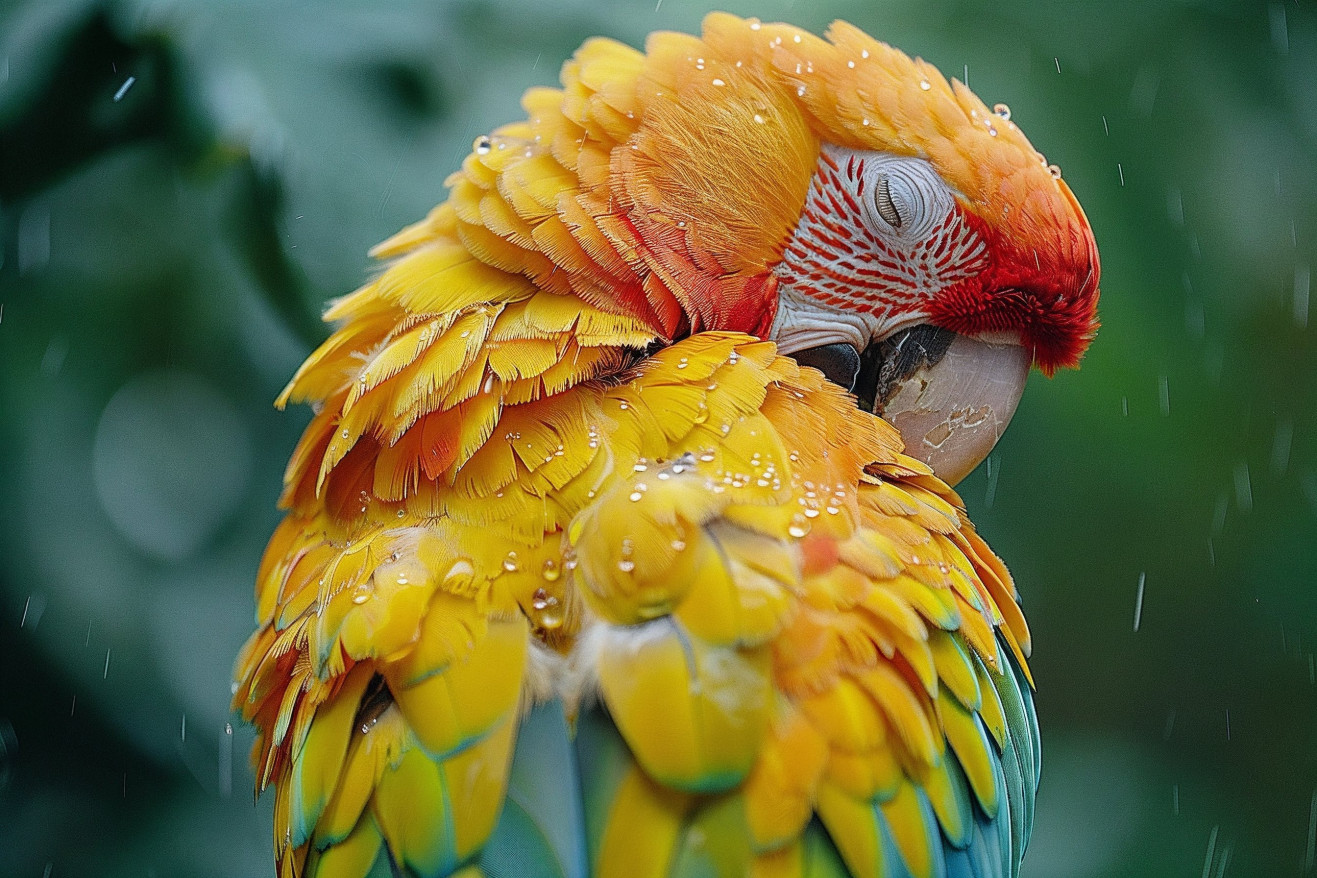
626,565
678,545
363,592
510,562
635,496
759,119
992,132
925,84
850,64
719,83
800,92
551,570
482,145
402,513
1003,111
541,599
811,512
1055,171
345,433
754,24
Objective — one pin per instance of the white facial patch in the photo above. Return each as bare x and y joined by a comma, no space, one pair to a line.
878,237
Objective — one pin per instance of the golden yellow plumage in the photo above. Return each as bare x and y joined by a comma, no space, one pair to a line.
553,463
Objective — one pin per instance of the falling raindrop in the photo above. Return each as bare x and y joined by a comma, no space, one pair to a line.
1243,487
1138,601
1211,852
226,761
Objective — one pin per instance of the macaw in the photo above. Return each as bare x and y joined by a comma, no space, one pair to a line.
621,541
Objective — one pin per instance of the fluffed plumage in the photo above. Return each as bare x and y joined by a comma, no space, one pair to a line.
581,575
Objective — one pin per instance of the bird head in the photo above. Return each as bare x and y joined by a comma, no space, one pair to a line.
873,219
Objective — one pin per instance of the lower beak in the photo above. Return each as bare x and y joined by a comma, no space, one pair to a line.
950,396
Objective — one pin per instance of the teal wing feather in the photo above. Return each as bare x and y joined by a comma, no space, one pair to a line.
541,832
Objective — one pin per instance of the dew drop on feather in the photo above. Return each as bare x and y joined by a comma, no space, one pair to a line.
1002,111
482,145
925,84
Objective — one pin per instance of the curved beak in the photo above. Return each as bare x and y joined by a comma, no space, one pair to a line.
952,412
949,395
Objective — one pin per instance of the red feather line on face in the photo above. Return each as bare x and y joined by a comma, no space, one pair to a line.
836,260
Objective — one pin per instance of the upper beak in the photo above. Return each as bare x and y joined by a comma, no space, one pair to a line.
950,396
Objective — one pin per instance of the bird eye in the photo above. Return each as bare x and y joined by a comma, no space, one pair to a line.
882,199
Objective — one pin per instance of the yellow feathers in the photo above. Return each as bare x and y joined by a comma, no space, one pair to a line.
554,464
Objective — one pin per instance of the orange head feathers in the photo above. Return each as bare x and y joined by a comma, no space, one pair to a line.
847,183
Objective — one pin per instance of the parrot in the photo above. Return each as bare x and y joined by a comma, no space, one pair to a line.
622,539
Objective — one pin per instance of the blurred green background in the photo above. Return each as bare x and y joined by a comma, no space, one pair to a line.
183,183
